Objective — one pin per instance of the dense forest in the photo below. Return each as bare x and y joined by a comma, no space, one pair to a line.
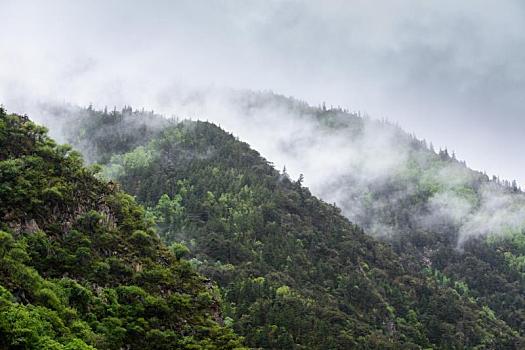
293,271
81,265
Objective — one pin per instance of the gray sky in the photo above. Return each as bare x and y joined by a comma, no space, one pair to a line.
452,72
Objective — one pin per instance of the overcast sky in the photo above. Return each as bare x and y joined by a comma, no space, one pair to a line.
452,72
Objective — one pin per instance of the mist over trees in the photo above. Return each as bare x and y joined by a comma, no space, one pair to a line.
347,159
451,227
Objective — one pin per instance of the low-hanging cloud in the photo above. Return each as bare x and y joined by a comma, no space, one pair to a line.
450,71
366,166
369,168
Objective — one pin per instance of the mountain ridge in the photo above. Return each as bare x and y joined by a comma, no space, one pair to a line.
159,174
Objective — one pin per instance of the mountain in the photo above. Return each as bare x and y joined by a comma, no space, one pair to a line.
81,266
427,204
295,272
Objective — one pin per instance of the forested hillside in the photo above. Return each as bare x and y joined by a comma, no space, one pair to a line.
426,203
295,272
80,265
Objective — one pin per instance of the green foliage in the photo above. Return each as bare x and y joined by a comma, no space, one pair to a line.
179,250
81,267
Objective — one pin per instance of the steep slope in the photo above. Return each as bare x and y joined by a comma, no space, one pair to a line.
80,266
295,272
430,206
